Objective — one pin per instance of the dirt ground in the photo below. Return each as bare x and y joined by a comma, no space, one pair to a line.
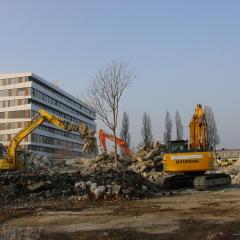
186,214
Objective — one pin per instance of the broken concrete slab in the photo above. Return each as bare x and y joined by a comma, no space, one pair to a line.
116,189
36,186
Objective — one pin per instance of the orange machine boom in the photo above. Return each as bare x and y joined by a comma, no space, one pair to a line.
120,142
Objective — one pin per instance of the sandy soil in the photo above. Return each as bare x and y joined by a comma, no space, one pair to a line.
211,215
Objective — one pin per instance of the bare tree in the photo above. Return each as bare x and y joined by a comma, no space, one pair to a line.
168,128
213,139
105,91
179,126
147,130
124,133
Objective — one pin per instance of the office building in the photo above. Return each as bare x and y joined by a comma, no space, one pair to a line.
21,95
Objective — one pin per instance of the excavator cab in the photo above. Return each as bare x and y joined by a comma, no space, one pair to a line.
3,151
177,146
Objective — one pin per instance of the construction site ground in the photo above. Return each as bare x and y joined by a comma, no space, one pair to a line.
181,214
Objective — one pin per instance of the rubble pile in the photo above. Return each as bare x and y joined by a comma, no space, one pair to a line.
148,161
233,170
102,163
31,160
97,181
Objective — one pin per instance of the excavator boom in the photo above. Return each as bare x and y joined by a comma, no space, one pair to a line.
120,142
197,129
14,143
12,163
30,127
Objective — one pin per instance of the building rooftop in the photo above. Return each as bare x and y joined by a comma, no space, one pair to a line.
13,75
40,79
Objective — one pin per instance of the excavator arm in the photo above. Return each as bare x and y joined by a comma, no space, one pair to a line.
11,162
120,142
197,129
30,127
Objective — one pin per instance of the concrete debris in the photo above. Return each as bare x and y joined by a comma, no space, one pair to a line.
82,179
82,185
102,163
36,186
31,185
99,192
32,160
148,161
93,186
115,189
233,170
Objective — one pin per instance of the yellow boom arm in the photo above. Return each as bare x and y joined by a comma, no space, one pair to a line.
197,129
12,163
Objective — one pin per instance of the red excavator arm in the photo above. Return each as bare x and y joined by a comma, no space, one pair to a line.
120,142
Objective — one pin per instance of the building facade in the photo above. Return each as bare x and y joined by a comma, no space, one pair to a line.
21,95
228,154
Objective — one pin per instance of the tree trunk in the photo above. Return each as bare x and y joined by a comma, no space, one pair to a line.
115,147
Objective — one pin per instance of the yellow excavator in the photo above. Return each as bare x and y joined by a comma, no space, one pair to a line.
187,163
11,161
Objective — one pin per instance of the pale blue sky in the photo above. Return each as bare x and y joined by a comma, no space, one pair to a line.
184,53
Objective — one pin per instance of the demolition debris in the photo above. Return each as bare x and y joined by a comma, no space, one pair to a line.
148,161
90,179
84,179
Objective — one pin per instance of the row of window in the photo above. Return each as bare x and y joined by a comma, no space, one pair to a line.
75,104
12,103
15,114
60,132
43,97
21,125
12,125
37,138
10,81
58,113
37,94
61,152
15,92
9,137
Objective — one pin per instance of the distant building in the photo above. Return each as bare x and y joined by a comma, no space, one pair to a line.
21,95
228,154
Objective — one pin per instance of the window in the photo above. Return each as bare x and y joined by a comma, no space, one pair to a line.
10,81
19,114
84,111
21,92
2,115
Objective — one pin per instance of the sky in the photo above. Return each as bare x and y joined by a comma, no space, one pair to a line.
183,53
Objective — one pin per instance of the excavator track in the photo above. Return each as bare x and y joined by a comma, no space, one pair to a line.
212,180
200,183
176,181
